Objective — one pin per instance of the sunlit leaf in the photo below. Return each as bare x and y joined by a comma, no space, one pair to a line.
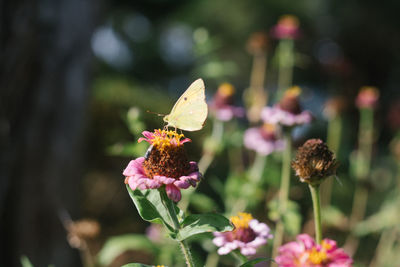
150,207
202,223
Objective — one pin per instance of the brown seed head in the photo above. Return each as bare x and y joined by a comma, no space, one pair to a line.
257,43
79,232
290,100
170,161
314,162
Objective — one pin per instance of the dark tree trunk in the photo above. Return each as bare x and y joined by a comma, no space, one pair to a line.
44,87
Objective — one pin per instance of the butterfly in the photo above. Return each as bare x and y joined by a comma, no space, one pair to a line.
190,111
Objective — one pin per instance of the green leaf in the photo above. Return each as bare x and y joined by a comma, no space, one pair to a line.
292,219
25,262
254,261
202,202
202,223
150,207
117,245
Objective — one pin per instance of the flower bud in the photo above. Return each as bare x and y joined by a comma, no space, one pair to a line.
314,162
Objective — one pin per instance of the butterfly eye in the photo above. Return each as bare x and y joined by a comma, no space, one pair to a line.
147,155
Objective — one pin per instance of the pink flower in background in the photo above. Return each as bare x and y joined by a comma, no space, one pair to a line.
222,104
166,164
286,28
367,97
305,252
264,140
248,235
288,111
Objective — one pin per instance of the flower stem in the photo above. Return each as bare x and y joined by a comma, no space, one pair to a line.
284,191
314,189
239,256
257,169
334,137
211,147
169,205
362,168
285,55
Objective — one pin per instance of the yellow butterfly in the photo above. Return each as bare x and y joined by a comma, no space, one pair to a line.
190,111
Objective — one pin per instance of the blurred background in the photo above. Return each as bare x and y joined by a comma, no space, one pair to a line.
71,69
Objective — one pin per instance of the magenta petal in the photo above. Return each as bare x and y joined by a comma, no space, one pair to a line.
164,179
173,192
134,167
181,184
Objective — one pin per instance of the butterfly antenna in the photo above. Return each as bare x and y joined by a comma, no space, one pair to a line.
158,114
338,180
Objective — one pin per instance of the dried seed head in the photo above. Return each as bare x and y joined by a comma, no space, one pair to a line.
224,95
314,162
290,100
257,43
79,232
367,97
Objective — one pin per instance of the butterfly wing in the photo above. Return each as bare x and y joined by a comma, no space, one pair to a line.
190,111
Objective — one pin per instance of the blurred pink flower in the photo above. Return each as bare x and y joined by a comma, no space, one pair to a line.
264,140
288,111
248,235
166,164
286,28
305,252
367,97
222,104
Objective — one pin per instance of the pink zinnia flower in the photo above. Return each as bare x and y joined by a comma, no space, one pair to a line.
222,104
305,252
286,28
165,163
367,97
248,235
288,111
264,140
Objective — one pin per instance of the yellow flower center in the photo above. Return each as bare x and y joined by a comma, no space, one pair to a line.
166,138
289,21
317,257
269,128
369,91
226,89
241,220
294,91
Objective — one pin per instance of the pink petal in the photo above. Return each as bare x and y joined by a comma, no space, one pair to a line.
134,167
173,192
164,179
181,184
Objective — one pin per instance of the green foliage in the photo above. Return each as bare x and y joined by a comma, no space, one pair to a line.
116,245
25,262
150,207
255,261
203,223
291,218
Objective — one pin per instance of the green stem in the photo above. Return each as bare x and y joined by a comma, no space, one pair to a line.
257,169
239,256
333,141
317,212
363,168
169,205
212,260
211,145
284,191
285,55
